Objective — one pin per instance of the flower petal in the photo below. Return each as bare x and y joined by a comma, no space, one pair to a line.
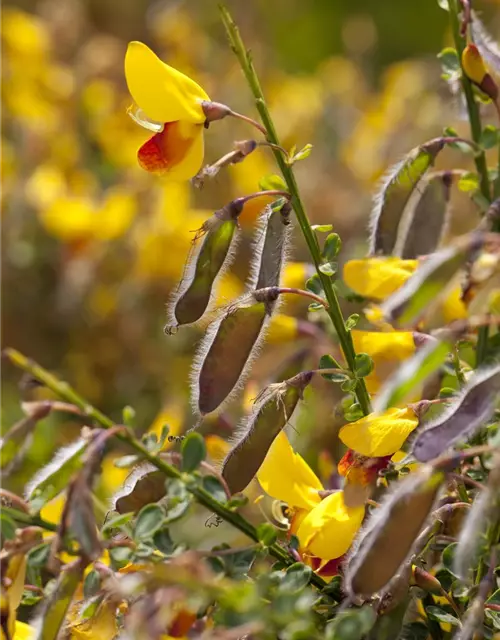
378,435
162,92
377,278
176,152
387,351
329,529
286,476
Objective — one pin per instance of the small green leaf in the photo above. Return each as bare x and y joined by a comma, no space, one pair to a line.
272,182
304,153
149,520
444,4
332,246
448,556
237,501
117,521
489,137
349,385
329,268
213,486
450,66
39,555
91,584
193,451
352,321
352,624
120,556
363,365
322,228
315,306
328,362
126,461
7,527
266,534
163,541
296,578
128,416
354,412
314,284
438,614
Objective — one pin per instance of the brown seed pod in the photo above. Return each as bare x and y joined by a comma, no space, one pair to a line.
258,432
428,220
206,264
144,485
395,192
389,539
225,353
468,412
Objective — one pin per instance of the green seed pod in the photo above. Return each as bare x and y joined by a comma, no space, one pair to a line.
468,412
227,350
207,263
396,190
270,248
430,283
389,539
428,221
260,429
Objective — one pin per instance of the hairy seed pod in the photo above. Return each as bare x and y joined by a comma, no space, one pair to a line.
228,348
428,221
485,43
206,265
430,283
272,239
468,412
390,537
144,485
258,432
397,187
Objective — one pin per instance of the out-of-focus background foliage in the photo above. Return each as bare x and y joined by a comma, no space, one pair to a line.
92,245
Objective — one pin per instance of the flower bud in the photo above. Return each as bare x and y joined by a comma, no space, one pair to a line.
475,69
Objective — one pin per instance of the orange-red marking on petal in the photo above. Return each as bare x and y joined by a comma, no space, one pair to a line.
361,469
164,150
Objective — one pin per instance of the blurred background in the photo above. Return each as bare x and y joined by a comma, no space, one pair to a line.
93,245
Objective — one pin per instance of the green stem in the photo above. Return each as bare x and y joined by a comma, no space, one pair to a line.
480,158
64,391
27,519
334,310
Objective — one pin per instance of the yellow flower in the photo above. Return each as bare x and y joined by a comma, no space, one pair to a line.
174,102
473,64
325,528
378,278
23,631
387,351
379,434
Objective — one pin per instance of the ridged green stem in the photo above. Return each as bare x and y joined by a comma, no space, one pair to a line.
334,310
64,391
476,130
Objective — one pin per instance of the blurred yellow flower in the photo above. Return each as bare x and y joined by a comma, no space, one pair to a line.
379,434
174,102
325,528
387,350
473,64
378,278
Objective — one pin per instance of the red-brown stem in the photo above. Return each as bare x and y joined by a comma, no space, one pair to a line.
251,121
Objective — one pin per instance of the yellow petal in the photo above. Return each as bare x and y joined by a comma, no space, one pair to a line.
286,476
377,278
329,529
452,307
473,64
282,329
162,92
176,153
378,435
387,351
24,631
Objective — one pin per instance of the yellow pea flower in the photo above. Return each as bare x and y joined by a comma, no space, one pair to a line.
325,528
378,278
23,631
387,351
173,102
379,434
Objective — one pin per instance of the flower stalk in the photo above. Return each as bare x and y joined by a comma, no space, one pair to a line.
67,393
334,310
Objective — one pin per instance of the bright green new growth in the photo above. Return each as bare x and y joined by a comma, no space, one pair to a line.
259,431
396,190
